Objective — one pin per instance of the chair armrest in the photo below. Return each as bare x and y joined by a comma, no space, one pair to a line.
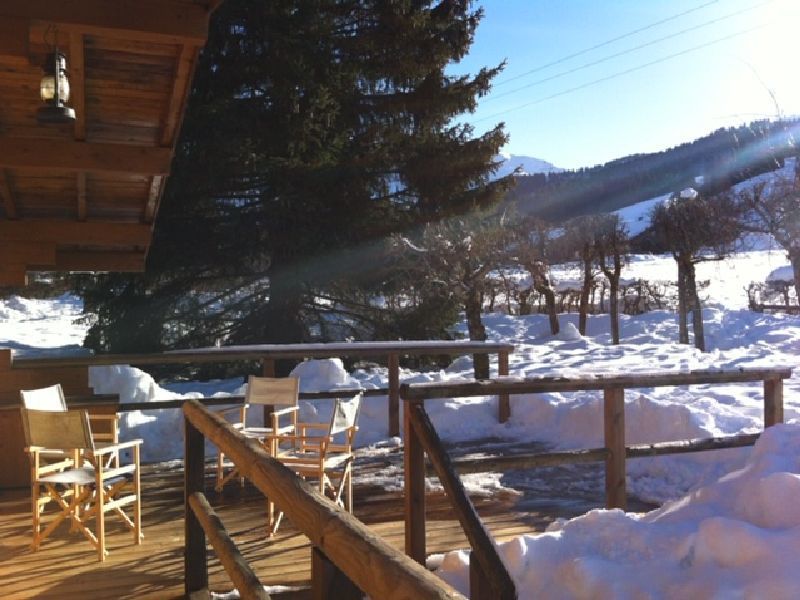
228,409
114,447
305,438
104,417
313,425
286,411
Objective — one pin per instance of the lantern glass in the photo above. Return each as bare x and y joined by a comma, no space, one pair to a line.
55,67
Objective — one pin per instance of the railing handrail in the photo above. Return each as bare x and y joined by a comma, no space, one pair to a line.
377,568
517,385
489,567
270,351
237,568
614,452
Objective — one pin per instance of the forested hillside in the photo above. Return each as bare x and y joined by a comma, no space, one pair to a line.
722,158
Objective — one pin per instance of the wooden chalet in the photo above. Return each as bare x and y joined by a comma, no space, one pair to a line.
82,195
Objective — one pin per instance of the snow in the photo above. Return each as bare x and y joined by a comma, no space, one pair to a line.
781,275
729,525
733,538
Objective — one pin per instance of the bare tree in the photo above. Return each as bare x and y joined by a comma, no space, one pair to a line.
774,208
456,257
533,237
611,249
696,229
578,242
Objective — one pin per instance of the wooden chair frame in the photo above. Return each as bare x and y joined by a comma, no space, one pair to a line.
282,395
105,427
81,485
320,456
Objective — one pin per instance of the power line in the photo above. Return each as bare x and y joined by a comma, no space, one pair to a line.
628,51
621,73
606,43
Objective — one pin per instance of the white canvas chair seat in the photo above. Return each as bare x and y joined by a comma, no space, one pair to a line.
80,476
82,492
327,457
282,395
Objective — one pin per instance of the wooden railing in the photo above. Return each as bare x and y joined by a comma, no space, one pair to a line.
421,438
489,578
267,354
348,559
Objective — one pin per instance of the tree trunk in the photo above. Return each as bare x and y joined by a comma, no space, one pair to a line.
477,332
585,290
794,258
683,327
697,308
280,321
550,303
524,302
613,307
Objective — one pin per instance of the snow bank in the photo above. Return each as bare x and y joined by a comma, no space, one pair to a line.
737,537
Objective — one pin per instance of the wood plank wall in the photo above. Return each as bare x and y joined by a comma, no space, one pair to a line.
14,470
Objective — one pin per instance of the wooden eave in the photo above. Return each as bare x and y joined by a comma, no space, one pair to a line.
83,196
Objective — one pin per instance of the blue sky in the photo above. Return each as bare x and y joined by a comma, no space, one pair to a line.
674,100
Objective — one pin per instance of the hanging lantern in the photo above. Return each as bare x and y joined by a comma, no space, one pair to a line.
54,91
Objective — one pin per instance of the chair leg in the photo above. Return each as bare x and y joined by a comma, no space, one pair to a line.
137,506
349,493
100,513
36,509
220,458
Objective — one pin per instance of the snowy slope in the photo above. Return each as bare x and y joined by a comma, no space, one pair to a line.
527,164
637,216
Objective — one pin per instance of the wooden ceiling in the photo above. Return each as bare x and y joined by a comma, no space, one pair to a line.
83,196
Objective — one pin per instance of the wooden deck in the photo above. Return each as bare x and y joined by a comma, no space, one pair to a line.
65,567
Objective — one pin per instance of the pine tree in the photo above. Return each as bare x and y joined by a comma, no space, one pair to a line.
313,128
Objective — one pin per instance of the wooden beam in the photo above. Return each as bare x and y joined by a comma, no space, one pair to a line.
184,67
152,199
144,20
503,401
37,153
773,402
28,253
195,559
483,547
394,394
81,196
79,260
8,196
90,233
14,37
413,488
77,81
236,566
13,275
377,568
614,435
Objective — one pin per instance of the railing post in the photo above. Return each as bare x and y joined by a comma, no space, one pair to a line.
414,496
195,567
503,403
268,370
614,427
394,394
328,582
479,586
773,402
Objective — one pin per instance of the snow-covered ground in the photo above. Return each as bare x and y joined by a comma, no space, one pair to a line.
730,525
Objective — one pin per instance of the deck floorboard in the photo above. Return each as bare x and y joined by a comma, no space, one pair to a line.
66,567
